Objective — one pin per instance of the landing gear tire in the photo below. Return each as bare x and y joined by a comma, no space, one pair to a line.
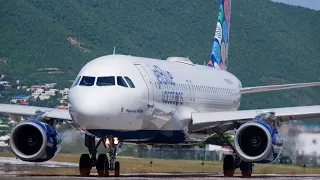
102,165
246,169
228,166
85,165
117,169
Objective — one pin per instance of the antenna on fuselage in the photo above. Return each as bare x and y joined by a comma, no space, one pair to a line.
114,50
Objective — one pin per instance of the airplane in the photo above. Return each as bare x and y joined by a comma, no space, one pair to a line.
120,99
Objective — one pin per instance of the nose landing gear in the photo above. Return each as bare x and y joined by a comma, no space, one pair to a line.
114,165
102,164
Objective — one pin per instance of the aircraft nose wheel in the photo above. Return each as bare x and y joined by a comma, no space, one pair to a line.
117,169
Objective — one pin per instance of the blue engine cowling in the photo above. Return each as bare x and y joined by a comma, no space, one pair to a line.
258,141
34,141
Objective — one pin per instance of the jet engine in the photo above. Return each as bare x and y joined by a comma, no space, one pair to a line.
258,141
34,141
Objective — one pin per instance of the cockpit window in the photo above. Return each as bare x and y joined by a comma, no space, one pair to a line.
121,81
106,81
129,82
76,81
87,81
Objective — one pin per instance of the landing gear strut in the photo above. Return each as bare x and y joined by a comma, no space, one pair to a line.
231,162
102,164
114,165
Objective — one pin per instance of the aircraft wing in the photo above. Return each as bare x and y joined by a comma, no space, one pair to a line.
22,110
256,89
226,120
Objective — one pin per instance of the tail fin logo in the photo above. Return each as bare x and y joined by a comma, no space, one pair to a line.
219,55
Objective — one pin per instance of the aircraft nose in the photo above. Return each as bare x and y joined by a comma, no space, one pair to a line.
85,102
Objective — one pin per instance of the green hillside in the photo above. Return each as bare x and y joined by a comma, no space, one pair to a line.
271,43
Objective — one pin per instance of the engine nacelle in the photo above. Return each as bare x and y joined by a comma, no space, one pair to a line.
34,141
258,142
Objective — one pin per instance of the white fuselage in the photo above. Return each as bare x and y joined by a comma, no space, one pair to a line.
154,111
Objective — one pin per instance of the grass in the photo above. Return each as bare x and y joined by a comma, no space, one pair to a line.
142,165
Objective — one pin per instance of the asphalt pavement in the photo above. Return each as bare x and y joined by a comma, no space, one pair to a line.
11,168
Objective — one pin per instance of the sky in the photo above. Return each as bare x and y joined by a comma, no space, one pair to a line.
312,4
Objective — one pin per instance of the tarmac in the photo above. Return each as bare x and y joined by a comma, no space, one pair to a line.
10,168
155,176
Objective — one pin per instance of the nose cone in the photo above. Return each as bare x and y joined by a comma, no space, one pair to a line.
103,108
91,107
86,102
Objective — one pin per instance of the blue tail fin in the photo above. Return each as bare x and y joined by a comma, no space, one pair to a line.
219,55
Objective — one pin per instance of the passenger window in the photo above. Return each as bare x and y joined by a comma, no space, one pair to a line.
76,81
106,81
121,82
87,81
130,82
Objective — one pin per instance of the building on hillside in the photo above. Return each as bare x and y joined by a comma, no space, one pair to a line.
20,97
39,90
5,83
4,141
64,94
35,95
44,97
50,85
50,93
53,91
35,87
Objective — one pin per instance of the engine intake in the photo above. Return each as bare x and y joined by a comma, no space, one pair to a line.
253,142
34,141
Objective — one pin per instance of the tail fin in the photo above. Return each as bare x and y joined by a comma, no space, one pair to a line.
219,55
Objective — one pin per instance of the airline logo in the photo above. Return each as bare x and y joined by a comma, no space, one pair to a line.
163,77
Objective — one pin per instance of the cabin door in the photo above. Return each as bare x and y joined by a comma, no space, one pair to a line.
149,84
